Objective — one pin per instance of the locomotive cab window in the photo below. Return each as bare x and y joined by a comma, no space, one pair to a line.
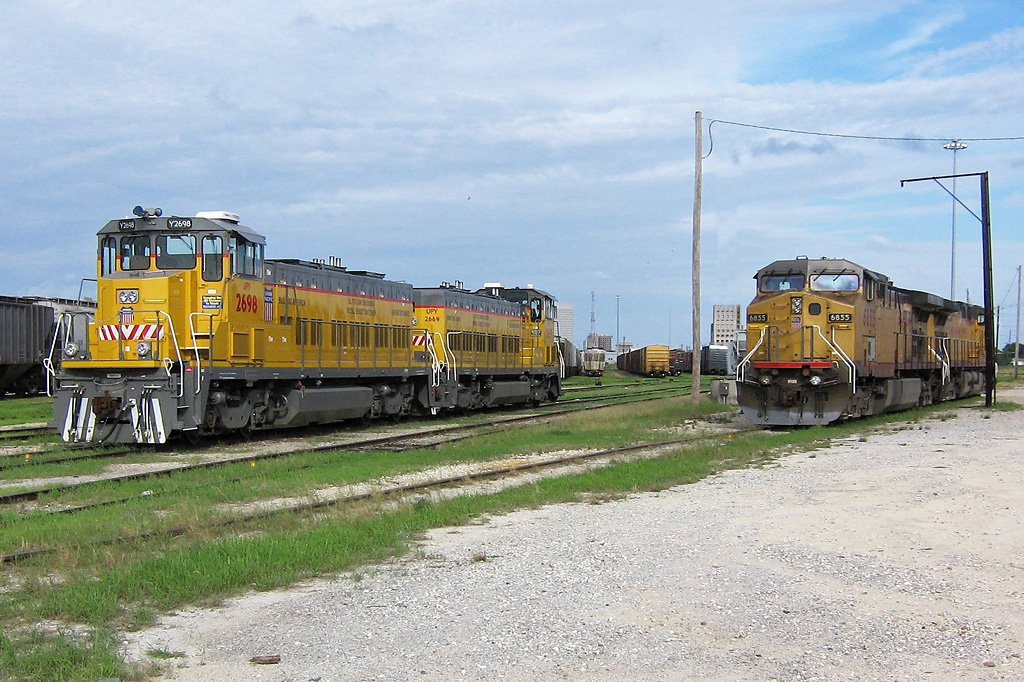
535,309
175,252
213,261
246,257
108,255
838,281
782,282
135,252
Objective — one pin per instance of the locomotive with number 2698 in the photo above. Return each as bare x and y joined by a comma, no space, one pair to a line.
830,339
196,333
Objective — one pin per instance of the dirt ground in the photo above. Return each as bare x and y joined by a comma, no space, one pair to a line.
897,555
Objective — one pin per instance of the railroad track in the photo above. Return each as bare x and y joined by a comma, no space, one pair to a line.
13,462
392,442
427,438
9,433
461,479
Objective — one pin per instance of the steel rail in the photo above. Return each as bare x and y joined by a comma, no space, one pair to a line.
441,482
33,494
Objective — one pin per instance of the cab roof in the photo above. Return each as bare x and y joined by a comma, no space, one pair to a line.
180,225
802,265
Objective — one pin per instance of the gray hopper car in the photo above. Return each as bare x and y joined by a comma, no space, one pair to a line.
27,326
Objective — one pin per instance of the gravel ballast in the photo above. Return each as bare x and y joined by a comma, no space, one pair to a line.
899,556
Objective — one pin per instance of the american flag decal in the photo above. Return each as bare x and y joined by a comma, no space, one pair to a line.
268,304
126,316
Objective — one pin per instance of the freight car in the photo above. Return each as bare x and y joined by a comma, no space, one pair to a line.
593,362
718,358
196,333
571,358
830,339
680,361
28,326
651,361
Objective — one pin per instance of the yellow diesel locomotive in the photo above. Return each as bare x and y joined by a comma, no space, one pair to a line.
829,339
197,333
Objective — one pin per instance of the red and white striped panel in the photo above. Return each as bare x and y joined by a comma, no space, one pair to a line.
131,332
419,339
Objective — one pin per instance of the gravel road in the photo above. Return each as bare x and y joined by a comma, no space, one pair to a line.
899,556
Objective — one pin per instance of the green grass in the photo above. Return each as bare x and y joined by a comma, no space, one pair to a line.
1005,378
60,657
25,410
198,497
109,588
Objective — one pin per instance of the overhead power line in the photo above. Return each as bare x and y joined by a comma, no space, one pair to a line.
885,138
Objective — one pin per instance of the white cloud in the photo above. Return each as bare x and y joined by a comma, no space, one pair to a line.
360,129
923,33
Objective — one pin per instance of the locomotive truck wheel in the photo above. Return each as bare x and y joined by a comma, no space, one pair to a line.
192,437
245,433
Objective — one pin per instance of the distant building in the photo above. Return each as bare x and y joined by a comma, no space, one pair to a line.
566,317
599,341
726,324
624,347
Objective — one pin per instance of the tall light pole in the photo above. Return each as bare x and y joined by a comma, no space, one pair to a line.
954,146
1016,342
618,346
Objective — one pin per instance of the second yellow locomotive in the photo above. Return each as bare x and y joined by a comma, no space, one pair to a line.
197,333
830,339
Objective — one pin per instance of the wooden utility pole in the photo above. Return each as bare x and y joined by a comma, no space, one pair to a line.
698,152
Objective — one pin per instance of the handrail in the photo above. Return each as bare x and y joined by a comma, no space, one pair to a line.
66,323
741,371
838,350
193,335
943,362
177,353
51,373
435,364
453,365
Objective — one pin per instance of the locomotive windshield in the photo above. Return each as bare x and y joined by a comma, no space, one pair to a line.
135,252
175,252
835,281
782,282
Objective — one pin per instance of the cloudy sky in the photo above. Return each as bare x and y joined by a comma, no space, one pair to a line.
531,141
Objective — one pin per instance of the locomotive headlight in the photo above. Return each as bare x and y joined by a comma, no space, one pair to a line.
71,349
766,379
816,380
142,349
128,295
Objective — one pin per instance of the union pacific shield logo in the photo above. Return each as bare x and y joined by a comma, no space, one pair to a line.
268,304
